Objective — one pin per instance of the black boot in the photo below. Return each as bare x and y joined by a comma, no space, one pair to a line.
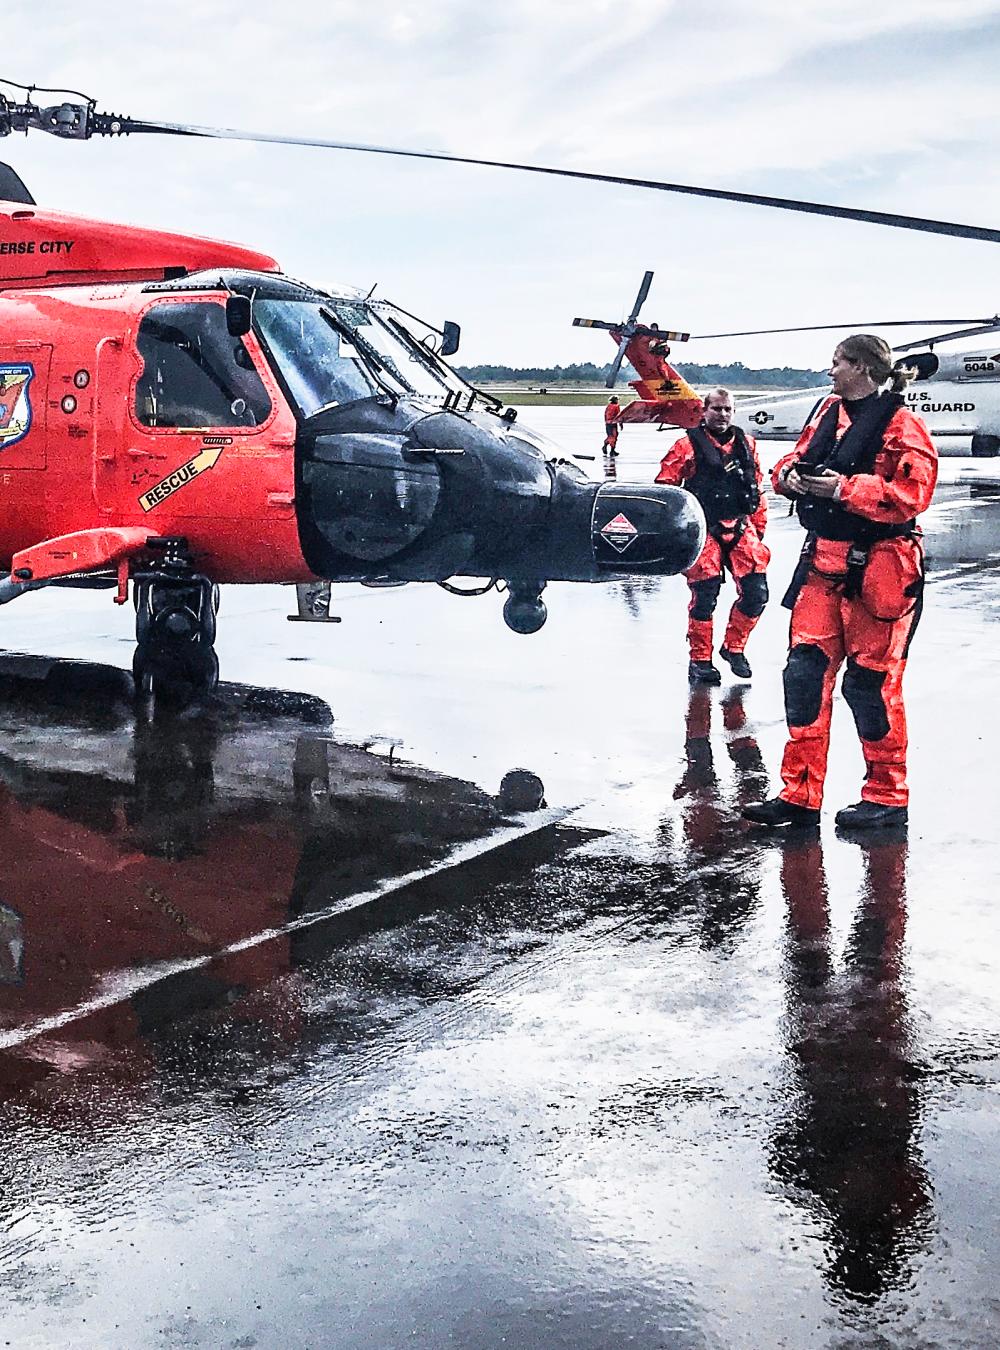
703,672
870,816
777,812
738,663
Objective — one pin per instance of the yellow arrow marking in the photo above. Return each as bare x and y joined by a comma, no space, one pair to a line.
173,482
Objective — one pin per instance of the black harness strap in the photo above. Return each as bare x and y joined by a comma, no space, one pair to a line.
725,485
854,453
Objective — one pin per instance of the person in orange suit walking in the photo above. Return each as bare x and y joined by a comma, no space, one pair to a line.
612,426
718,463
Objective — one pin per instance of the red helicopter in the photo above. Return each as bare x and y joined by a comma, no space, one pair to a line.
177,414
664,396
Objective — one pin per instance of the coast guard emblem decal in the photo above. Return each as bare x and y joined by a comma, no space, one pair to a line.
15,403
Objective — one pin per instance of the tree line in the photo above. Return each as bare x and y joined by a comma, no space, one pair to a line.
734,375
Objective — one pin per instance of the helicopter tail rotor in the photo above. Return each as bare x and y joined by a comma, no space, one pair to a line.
623,333
616,364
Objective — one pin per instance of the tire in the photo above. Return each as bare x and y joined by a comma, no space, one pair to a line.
985,447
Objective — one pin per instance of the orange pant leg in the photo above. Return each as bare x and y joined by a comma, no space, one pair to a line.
747,561
816,652
873,688
704,577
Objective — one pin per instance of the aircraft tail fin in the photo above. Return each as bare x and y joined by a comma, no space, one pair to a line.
664,394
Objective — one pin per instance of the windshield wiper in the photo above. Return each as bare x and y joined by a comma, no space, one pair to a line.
426,358
370,358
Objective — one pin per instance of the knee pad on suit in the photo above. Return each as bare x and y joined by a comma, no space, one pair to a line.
805,670
753,595
705,596
863,694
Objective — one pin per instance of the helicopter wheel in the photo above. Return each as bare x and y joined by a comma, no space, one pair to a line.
175,661
985,447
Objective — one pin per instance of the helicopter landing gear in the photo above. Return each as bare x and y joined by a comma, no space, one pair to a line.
524,610
175,608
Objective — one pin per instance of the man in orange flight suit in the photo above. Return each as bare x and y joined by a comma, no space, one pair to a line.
862,471
611,426
718,464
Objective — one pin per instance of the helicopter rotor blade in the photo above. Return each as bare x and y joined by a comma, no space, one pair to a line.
595,323
823,327
890,218
80,121
664,334
991,327
616,364
647,281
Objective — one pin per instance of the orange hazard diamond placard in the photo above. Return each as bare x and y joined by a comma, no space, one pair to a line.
619,532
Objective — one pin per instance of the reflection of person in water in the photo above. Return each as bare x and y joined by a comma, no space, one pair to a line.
710,811
848,1143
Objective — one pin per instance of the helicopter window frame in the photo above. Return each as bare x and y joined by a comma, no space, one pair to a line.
159,326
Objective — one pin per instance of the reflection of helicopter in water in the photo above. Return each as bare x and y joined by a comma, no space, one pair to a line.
957,394
175,862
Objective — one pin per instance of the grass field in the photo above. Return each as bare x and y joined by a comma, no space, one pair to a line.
583,396
556,398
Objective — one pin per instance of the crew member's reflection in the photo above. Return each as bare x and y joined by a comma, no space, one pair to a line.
848,1149
720,859
11,946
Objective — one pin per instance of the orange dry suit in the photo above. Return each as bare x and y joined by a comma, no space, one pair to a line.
724,474
857,591
612,413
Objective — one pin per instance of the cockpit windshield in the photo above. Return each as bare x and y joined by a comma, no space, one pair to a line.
334,351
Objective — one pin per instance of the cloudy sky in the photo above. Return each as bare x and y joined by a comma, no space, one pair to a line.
887,105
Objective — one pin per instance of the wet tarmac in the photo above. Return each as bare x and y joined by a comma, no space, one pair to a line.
309,1038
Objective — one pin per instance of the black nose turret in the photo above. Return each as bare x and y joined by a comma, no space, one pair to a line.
597,532
387,494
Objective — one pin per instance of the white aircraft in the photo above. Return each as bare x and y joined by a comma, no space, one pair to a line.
957,394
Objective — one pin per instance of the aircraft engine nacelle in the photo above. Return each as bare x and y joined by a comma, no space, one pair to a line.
451,494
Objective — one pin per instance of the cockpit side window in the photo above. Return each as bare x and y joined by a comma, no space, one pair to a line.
924,363
194,374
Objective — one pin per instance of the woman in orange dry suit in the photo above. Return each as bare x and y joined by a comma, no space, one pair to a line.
718,463
862,471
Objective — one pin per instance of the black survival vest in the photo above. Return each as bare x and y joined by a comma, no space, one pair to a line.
854,453
725,485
